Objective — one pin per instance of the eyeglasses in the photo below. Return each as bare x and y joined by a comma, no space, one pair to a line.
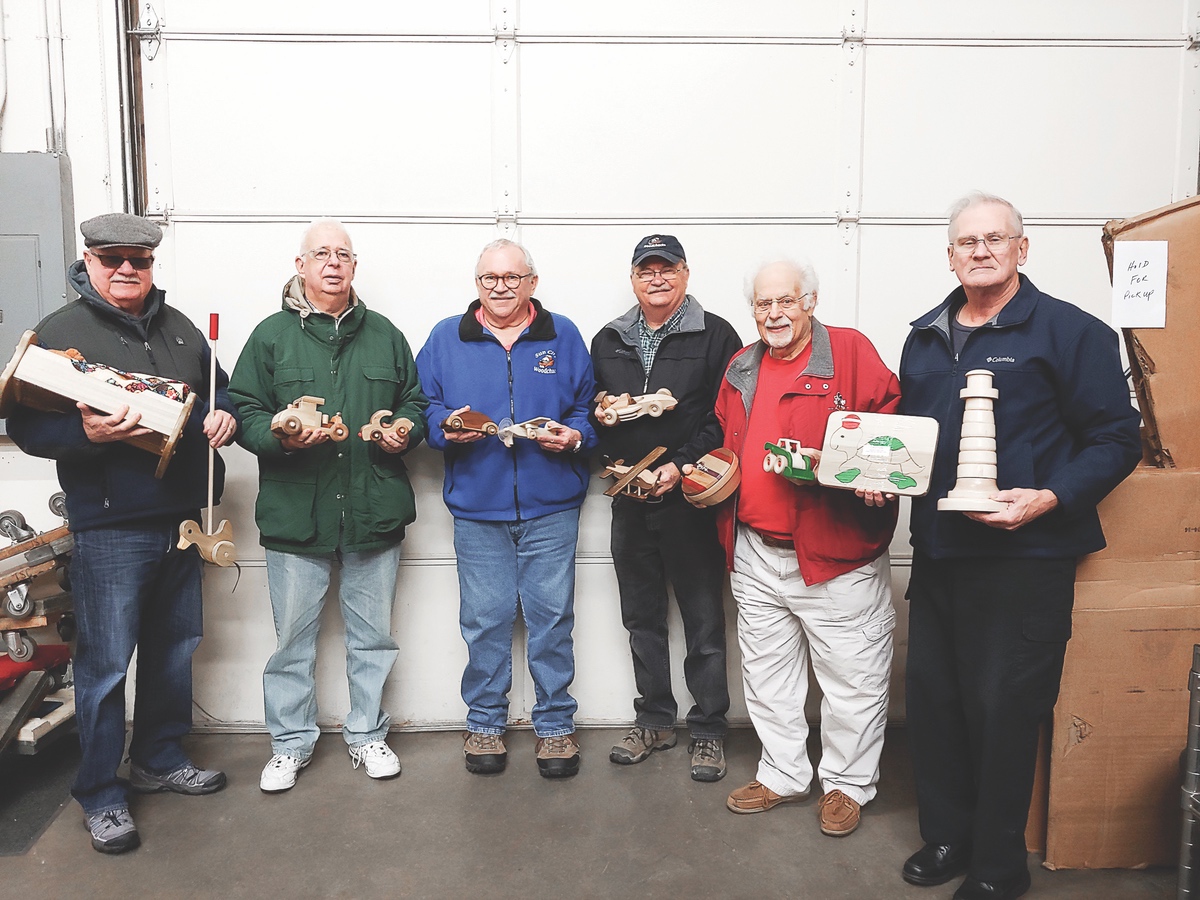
995,243
645,276
322,254
114,261
785,303
512,281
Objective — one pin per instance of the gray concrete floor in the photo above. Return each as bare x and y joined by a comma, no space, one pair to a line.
644,831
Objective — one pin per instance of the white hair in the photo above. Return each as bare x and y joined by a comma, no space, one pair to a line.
316,225
806,280
500,243
976,198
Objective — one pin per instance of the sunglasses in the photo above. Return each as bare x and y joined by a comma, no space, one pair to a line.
114,261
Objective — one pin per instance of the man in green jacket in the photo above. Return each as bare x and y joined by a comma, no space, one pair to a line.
322,500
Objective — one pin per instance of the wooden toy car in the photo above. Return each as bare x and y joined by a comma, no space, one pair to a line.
714,477
784,458
613,408
304,413
633,481
55,381
377,428
530,430
470,421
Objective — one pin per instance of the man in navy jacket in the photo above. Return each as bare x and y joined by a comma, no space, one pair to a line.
516,509
991,593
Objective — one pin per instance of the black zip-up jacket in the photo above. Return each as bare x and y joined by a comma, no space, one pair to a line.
690,363
1063,421
113,483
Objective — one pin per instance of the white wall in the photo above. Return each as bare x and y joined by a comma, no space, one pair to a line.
840,131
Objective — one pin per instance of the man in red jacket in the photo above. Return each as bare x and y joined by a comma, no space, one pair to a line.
809,564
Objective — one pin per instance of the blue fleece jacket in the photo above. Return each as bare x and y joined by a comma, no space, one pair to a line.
1064,421
546,373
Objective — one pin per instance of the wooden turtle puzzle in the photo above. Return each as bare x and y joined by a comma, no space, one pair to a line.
878,452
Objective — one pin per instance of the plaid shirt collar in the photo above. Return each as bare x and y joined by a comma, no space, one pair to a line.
649,340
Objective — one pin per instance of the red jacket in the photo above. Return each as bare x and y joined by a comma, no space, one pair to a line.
834,530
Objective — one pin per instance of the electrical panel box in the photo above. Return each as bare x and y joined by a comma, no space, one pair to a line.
37,241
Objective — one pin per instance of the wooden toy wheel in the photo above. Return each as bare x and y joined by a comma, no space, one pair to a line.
455,423
655,409
666,392
609,416
769,462
291,424
779,464
339,432
491,429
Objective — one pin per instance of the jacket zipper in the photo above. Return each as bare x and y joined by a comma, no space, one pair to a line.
512,414
150,353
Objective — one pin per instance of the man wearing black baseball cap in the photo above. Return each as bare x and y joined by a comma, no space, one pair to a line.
132,587
668,341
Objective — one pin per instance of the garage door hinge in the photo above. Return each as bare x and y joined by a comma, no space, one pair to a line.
148,31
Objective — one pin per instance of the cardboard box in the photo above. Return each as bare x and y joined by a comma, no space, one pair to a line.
1163,359
1121,719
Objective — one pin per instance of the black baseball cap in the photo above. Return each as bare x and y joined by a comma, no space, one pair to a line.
664,246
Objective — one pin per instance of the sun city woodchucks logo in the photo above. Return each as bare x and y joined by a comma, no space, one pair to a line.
545,362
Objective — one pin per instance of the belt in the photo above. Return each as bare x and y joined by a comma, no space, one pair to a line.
770,540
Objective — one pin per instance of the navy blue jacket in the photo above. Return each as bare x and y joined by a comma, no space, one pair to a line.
547,373
1064,421
113,484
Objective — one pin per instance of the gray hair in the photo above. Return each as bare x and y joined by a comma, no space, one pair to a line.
975,198
806,280
316,225
501,243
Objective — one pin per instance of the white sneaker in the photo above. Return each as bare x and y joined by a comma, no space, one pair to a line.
378,757
280,773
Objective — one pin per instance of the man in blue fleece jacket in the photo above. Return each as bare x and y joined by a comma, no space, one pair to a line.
991,593
516,509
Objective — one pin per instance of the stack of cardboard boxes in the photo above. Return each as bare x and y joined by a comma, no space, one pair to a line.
1112,799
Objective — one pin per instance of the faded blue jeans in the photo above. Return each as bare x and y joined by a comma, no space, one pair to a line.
132,588
367,592
499,563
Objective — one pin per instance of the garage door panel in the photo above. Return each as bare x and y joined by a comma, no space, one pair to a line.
764,18
291,17
1064,18
584,270
677,130
1086,131
386,135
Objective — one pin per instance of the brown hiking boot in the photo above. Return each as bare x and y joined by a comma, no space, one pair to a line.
838,814
708,759
484,754
640,743
557,757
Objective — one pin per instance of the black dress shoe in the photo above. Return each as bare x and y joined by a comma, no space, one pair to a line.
936,864
1004,889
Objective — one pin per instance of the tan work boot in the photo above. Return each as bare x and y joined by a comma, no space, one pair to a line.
484,754
640,743
557,757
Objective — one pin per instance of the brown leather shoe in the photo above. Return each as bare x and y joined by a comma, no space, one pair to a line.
756,797
838,814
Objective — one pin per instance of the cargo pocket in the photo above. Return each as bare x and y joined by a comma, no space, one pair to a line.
392,503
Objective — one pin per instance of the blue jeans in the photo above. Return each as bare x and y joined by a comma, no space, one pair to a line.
500,563
298,586
132,588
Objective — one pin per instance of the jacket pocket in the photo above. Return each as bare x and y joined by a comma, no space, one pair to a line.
392,503
286,507
290,380
383,386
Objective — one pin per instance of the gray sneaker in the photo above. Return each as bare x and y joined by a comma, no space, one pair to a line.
187,779
640,743
113,831
708,759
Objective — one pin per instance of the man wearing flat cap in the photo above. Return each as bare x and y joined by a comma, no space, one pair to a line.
668,341
132,586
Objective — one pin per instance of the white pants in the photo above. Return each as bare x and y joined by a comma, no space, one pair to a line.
846,623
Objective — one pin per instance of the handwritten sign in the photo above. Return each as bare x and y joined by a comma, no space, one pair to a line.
1139,297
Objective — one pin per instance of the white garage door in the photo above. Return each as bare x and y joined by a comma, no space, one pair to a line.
840,131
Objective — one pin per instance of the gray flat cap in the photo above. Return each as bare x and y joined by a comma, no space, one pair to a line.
120,230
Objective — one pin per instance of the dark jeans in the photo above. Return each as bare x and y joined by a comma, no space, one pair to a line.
653,543
986,640
132,587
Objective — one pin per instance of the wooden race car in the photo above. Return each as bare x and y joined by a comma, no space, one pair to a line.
784,458
470,421
304,413
377,428
530,430
613,408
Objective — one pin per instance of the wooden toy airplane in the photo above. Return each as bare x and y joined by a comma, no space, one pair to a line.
633,481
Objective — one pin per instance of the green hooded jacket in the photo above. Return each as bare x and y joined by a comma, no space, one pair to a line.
350,494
